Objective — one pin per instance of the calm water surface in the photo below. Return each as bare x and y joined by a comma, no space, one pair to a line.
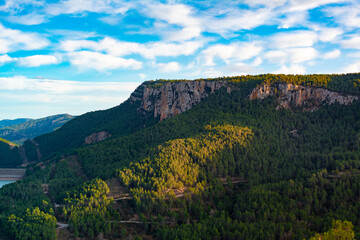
3,182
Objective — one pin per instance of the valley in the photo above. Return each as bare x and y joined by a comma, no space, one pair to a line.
245,157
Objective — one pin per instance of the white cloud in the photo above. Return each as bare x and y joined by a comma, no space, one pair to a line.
15,6
333,54
299,55
29,19
169,67
267,3
330,34
293,19
293,69
14,40
238,20
348,15
74,45
354,54
352,68
71,34
176,14
142,76
5,59
38,60
353,42
119,48
101,62
291,55
79,6
49,86
294,39
301,5
232,52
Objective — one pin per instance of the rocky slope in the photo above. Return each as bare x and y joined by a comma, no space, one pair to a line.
310,98
173,98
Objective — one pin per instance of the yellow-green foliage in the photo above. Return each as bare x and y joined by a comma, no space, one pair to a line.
8,142
178,162
91,199
34,225
341,230
87,208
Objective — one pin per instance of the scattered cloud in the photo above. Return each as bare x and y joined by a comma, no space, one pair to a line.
352,68
291,55
238,51
29,19
80,6
38,60
353,42
49,86
176,14
294,39
101,62
142,76
333,54
5,59
292,69
301,5
13,40
347,15
330,34
120,48
168,67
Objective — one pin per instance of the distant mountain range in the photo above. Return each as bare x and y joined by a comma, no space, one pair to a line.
8,122
22,129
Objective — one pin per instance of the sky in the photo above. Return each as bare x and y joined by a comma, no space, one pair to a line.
75,56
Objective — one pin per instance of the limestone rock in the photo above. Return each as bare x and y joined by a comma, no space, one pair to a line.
310,98
173,98
97,137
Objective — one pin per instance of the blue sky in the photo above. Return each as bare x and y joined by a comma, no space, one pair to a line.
75,56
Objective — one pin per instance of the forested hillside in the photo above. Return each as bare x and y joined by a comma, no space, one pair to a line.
228,168
9,155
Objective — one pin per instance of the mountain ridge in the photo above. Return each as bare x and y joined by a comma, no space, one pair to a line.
32,128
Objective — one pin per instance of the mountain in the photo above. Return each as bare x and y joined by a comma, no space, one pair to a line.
8,122
29,129
248,157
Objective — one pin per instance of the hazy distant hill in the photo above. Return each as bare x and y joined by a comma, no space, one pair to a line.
28,129
8,122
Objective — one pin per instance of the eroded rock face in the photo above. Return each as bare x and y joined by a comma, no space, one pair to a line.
311,98
173,98
97,137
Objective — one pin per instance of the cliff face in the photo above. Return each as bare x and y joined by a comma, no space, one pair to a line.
173,98
310,98
97,137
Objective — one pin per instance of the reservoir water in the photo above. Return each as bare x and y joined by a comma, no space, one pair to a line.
3,182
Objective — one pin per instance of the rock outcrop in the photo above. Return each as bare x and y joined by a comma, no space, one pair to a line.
173,98
97,137
310,98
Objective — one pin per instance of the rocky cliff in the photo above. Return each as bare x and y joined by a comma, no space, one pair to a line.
173,98
97,137
310,98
